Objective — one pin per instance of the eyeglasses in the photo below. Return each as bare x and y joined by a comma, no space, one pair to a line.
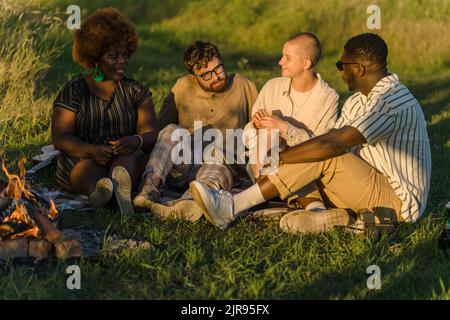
340,64
208,74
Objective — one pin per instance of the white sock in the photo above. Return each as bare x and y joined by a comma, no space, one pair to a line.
315,206
247,199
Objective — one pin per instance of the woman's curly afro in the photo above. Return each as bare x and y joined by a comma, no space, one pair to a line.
102,30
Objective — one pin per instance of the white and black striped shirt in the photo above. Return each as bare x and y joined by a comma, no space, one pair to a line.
392,121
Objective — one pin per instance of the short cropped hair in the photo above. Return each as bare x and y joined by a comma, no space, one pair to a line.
367,46
199,54
101,30
316,50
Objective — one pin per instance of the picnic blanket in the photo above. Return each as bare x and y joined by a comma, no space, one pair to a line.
65,200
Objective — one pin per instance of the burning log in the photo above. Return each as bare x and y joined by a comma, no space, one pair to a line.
15,221
64,242
49,231
28,223
11,228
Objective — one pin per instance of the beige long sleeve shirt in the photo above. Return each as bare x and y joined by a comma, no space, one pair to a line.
315,116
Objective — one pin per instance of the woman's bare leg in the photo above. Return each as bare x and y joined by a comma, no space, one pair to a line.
134,163
85,175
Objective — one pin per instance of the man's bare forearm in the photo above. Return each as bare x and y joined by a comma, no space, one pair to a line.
329,145
314,150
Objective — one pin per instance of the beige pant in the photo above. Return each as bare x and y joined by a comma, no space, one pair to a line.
348,182
311,190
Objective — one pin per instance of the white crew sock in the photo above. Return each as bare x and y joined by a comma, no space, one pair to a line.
247,199
315,206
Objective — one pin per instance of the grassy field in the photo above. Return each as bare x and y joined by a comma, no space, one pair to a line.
252,259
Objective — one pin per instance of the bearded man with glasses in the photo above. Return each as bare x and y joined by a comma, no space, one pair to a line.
220,101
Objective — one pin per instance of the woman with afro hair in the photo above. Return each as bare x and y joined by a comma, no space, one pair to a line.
103,123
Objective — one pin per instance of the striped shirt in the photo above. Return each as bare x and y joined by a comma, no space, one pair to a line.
99,121
392,121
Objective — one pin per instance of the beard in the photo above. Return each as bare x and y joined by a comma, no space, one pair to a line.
219,85
216,86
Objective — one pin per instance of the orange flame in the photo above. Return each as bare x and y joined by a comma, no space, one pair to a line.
20,214
17,185
17,189
29,233
52,212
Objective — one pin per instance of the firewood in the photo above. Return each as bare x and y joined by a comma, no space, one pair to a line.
69,245
10,249
24,248
48,230
68,249
5,230
9,228
39,248
7,210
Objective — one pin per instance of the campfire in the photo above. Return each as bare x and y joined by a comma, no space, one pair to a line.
29,223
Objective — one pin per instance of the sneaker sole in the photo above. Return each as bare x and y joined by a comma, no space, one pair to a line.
302,221
199,200
270,213
103,192
143,203
122,182
161,210
187,210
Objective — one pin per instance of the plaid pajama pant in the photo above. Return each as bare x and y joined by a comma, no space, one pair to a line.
214,175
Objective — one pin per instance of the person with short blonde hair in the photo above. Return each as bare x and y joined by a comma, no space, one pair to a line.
300,104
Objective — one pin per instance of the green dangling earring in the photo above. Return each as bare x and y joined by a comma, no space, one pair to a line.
98,75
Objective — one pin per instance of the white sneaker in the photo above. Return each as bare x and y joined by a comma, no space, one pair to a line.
148,195
102,193
122,190
181,210
302,221
217,205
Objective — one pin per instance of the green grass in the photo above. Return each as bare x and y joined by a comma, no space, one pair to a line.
251,259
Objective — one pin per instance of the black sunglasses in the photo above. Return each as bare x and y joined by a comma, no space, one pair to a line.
340,64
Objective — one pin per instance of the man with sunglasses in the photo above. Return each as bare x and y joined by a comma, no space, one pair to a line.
220,101
386,175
